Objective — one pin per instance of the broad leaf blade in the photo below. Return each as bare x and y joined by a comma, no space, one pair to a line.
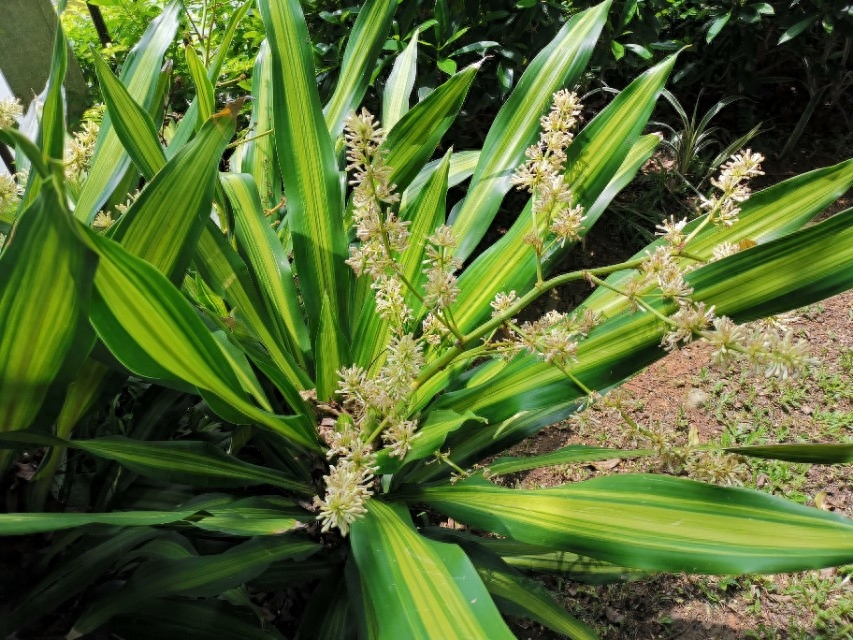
410,144
419,588
17,524
140,74
603,157
269,264
45,274
133,126
363,47
809,453
656,523
151,328
398,89
163,225
308,165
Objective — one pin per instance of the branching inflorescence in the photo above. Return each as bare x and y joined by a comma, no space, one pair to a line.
375,400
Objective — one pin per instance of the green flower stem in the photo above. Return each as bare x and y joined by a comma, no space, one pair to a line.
645,305
463,343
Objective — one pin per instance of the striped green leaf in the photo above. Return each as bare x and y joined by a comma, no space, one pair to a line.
150,228
332,353
190,462
227,275
810,453
151,328
531,558
133,126
240,364
269,265
767,215
308,165
401,81
764,280
566,455
196,576
419,588
203,85
257,156
255,516
412,141
51,135
45,275
518,595
140,74
655,522
769,278
19,524
363,48
462,165
558,65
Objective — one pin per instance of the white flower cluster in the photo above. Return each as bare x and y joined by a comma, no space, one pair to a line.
372,398
543,175
78,151
769,347
11,190
10,111
554,337
724,209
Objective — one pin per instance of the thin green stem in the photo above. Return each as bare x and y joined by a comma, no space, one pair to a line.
502,318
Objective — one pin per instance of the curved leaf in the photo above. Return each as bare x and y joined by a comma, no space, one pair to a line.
401,81
151,328
140,74
419,588
363,48
45,285
655,522
308,165
410,144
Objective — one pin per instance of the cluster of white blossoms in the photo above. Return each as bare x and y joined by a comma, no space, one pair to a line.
11,187
78,151
374,398
724,208
543,176
10,111
554,337
769,345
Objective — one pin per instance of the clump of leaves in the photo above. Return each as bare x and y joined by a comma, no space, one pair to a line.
342,406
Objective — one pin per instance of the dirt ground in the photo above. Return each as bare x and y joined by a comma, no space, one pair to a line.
682,394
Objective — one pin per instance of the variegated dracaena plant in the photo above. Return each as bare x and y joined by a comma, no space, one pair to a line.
359,362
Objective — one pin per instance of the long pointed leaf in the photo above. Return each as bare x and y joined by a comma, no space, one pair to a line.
363,48
45,275
656,522
308,165
151,329
398,89
420,588
140,74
